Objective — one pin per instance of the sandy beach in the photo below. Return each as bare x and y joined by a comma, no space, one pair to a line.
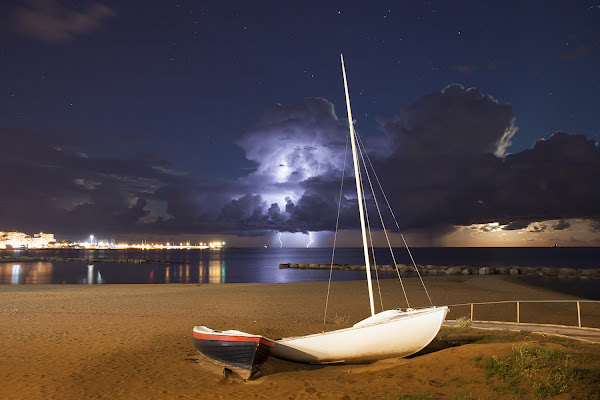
135,341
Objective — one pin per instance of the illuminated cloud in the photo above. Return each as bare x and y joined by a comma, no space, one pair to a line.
298,151
295,143
536,228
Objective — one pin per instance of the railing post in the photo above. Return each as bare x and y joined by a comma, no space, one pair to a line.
578,314
471,311
518,309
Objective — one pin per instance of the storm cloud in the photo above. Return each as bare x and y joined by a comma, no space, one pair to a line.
444,164
293,144
447,165
454,122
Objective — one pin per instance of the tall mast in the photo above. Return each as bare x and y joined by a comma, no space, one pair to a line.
358,191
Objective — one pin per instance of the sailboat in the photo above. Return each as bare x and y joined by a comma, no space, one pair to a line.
390,333
387,334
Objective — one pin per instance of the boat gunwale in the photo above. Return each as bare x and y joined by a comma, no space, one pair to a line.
229,336
413,314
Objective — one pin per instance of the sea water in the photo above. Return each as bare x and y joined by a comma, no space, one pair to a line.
249,265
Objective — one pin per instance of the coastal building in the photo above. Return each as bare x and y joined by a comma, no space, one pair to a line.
17,240
20,240
41,240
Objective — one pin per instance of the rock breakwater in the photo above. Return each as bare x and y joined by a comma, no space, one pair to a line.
81,259
582,273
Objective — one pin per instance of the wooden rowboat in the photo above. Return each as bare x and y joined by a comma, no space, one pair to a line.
240,352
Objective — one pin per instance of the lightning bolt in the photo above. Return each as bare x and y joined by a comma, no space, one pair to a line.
280,243
309,238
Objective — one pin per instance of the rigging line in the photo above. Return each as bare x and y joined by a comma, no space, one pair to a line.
369,228
361,144
397,226
337,220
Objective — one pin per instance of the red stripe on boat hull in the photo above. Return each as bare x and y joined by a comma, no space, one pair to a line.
227,338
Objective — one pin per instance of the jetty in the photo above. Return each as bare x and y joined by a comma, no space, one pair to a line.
581,273
82,259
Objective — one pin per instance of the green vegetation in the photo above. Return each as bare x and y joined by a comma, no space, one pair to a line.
555,367
563,341
446,331
341,319
455,336
548,371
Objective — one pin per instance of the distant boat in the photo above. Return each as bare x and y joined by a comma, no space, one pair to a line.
240,352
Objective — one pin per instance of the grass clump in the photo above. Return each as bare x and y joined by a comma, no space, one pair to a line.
446,332
431,396
549,372
563,341
463,322
341,319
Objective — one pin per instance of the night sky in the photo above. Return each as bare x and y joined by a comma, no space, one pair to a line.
174,120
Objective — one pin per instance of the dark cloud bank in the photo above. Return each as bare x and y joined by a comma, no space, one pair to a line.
444,164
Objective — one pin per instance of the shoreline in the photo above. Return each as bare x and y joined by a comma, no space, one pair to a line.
135,341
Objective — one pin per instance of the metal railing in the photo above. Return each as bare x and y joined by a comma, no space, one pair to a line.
518,310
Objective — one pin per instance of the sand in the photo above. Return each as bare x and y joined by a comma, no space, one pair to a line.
135,341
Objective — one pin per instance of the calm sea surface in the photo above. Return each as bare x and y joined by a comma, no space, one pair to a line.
262,265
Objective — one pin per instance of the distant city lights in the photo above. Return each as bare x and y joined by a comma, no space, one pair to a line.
16,240
20,240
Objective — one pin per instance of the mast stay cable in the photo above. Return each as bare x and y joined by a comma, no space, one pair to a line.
337,221
366,212
397,226
361,144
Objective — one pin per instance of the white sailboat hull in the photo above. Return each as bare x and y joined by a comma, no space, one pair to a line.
391,333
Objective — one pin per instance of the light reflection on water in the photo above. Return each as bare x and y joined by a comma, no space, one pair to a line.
91,278
28,272
258,264
228,265
262,265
